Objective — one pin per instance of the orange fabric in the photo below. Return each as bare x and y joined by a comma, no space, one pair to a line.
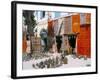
88,18
24,45
50,28
76,23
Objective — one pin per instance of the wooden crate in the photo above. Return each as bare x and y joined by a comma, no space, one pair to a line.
36,44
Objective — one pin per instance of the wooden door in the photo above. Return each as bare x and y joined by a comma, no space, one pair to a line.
84,38
84,41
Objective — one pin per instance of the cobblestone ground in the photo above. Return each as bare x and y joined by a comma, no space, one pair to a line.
41,60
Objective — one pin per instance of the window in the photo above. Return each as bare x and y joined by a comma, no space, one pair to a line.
42,14
57,14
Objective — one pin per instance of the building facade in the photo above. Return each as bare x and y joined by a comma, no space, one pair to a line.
65,23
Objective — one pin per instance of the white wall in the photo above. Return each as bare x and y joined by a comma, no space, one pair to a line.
5,39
